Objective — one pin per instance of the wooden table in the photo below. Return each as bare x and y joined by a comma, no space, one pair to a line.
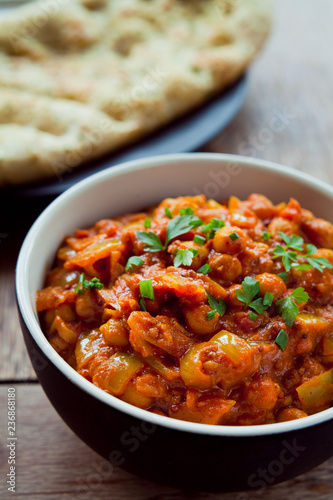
287,118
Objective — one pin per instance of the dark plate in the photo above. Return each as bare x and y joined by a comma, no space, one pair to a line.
181,136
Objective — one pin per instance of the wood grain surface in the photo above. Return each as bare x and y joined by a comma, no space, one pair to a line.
53,464
287,118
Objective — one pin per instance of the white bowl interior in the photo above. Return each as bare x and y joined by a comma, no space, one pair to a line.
137,185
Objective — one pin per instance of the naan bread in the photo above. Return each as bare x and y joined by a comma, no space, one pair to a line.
80,78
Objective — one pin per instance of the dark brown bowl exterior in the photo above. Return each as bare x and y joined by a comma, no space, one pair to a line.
176,458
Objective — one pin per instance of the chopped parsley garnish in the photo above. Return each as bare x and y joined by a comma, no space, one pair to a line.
287,256
133,261
234,236
168,213
176,227
288,306
213,226
147,223
84,284
250,290
290,257
153,243
205,269
146,289
282,340
318,263
199,239
253,316
266,235
181,225
218,306
184,257
268,299
186,211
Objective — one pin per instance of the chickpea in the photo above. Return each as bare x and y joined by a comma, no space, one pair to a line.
262,206
232,296
280,224
223,243
262,394
320,232
227,267
86,307
196,319
291,414
271,283
115,332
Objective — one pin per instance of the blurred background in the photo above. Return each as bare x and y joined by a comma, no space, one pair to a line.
286,117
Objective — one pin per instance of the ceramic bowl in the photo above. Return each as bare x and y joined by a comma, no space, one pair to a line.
165,450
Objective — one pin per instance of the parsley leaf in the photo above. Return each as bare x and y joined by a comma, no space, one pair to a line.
84,284
253,316
133,261
282,340
211,314
283,276
218,306
184,257
319,263
181,225
266,235
153,243
288,307
205,269
251,288
268,299
175,227
258,306
295,242
287,257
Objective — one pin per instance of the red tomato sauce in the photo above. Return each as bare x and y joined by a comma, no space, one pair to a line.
217,313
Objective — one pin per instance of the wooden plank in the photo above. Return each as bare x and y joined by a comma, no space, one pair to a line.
291,79
53,464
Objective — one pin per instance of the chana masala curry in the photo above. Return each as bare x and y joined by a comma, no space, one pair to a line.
217,313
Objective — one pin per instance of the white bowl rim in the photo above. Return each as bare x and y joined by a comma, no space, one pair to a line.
36,333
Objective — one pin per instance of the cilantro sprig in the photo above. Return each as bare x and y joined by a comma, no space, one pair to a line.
218,306
288,306
176,227
84,284
184,257
290,256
